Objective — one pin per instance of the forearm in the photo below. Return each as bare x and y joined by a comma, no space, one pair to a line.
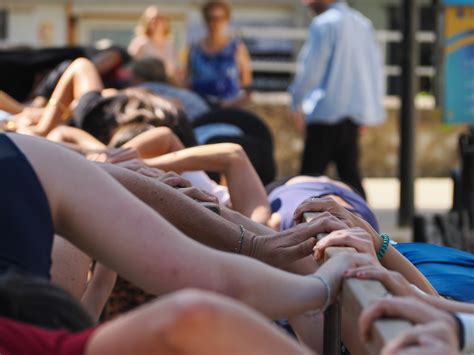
447,305
75,136
238,218
208,158
229,274
156,142
198,222
246,190
395,261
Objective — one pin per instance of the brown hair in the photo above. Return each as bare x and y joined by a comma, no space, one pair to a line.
212,4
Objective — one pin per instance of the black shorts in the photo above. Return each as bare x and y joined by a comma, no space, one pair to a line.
26,225
87,103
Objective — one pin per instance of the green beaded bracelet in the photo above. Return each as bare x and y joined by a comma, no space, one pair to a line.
383,248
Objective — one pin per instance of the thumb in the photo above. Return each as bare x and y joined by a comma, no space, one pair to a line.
302,250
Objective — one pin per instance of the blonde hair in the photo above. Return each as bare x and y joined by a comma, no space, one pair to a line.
151,14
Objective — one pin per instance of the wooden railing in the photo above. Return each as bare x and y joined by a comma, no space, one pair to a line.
356,296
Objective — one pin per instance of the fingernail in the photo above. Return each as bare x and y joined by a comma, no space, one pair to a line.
360,274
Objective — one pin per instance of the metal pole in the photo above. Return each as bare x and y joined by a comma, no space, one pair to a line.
407,112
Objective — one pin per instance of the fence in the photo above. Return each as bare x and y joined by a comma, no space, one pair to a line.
356,296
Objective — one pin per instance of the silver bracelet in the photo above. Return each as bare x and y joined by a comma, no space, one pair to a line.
328,296
238,248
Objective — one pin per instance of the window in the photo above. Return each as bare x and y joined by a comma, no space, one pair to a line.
3,24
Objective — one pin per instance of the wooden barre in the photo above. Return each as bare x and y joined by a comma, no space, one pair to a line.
356,296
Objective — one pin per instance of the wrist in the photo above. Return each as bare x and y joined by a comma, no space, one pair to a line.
323,290
250,245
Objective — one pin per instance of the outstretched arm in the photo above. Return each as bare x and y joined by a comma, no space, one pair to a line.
147,250
246,190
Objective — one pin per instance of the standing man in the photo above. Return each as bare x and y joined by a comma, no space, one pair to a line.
338,88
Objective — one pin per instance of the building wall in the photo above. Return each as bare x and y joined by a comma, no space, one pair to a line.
36,26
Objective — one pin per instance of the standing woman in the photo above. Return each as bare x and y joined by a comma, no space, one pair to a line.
153,38
219,65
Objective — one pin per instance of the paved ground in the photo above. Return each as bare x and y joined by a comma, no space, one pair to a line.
431,195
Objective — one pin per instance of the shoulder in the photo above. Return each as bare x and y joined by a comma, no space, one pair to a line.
363,20
326,23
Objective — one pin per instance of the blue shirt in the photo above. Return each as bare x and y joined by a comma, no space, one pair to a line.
193,105
340,70
215,75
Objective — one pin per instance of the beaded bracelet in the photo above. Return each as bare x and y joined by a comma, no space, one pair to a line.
383,248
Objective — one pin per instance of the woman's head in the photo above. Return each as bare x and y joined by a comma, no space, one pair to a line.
149,69
217,14
34,300
153,23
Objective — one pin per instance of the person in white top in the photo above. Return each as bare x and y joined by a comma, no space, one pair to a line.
154,38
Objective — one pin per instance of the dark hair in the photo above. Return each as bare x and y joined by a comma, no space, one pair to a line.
34,300
127,132
149,69
136,105
100,121
212,4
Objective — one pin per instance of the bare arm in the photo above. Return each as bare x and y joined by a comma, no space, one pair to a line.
76,136
246,190
144,247
245,65
155,142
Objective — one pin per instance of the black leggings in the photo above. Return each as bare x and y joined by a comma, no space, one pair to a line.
338,143
26,227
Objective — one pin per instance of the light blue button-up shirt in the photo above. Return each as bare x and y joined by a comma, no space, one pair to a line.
340,70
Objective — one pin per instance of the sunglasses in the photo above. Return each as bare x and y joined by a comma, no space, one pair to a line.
216,18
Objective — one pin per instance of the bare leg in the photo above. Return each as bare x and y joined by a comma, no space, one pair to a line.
192,322
79,78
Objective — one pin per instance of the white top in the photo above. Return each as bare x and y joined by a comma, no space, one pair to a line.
201,180
142,47
467,319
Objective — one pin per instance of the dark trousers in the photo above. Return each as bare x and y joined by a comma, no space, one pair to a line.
338,143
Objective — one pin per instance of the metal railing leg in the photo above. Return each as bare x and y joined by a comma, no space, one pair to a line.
332,330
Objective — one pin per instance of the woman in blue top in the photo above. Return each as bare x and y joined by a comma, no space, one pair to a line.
450,271
219,65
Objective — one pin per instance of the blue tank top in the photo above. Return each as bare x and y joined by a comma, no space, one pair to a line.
286,198
216,75
26,225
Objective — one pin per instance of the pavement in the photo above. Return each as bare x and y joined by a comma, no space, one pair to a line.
432,195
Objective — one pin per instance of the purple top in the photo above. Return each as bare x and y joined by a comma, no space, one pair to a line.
286,198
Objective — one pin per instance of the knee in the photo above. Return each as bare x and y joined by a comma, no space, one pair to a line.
80,63
193,307
192,315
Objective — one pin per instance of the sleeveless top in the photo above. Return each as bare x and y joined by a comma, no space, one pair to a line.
286,198
215,75
26,226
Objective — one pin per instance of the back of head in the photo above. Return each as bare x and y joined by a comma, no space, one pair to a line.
149,69
35,301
